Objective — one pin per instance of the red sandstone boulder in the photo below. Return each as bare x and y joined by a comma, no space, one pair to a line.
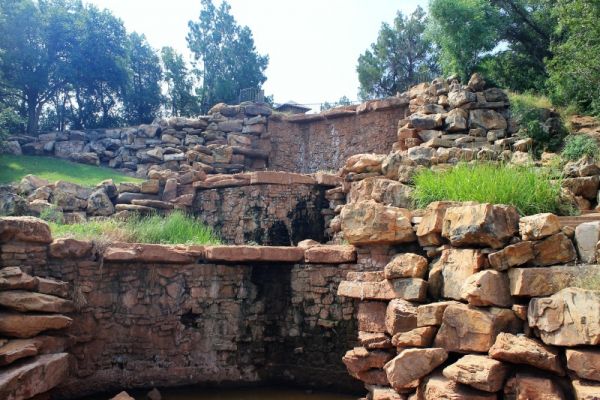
400,316
254,253
407,289
24,229
478,371
512,256
584,362
384,393
530,386
406,265
468,329
538,226
555,249
523,350
23,301
374,223
360,359
438,387
418,337
334,254
70,248
14,350
371,316
429,231
33,377
360,163
487,288
431,314
374,340
480,225
410,365
30,325
13,278
586,390
53,287
545,281
448,274
150,253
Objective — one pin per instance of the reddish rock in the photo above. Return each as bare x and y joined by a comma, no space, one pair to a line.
431,314
338,254
532,387
53,287
480,225
539,226
371,316
360,359
406,265
13,278
70,248
512,256
29,325
384,393
374,340
407,289
429,231
33,377
451,270
418,337
280,178
122,396
149,253
438,387
583,186
23,301
523,350
584,362
360,163
410,365
254,253
545,281
372,377
586,390
17,349
487,288
468,329
24,229
480,372
556,249
400,316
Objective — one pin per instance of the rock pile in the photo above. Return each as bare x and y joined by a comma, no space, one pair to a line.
482,308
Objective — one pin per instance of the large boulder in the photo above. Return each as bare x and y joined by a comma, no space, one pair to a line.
429,231
511,256
538,226
24,301
478,371
30,325
431,314
545,281
411,289
438,387
487,288
519,349
487,119
360,163
584,362
371,316
587,236
480,225
370,222
360,359
555,249
100,204
386,191
406,265
24,229
410,365
570,317
448,274
532,386
400,316
36,376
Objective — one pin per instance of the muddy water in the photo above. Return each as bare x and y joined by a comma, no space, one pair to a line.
238,394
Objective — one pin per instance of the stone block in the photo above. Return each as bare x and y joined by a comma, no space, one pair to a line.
519,349
410,365
478,371
539,226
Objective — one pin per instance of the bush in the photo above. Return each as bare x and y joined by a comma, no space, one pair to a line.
174,228
529,190
578,146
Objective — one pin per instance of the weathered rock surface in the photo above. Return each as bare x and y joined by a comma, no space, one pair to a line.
374,223
29,325
70,248
408,289
25,229
431,314
538,226
586,390
418,337
587,236
468,329
410,365
36,376
17,349
450,271
400,316
122,396
438,387
570,317
584,362
330,254
480,372
429,231
384,393
487,288
512,256
371,316
555,249
545,281
519,349
530,386
406,265
374,340
480,225
360,359
13,278
24,301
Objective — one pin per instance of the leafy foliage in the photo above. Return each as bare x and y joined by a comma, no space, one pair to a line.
529,190
225,54
578,146
401,57
343,101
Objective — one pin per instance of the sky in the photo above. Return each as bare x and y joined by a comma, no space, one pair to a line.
313,45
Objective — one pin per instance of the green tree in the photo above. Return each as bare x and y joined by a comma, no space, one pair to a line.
142,97
575,68
180,85
343,101
225,54
402,56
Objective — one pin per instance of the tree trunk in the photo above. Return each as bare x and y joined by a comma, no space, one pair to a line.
33,115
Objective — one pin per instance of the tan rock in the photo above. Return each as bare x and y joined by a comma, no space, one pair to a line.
468,329
360,163
486,119
373,376
17,349
13,278
487,288
418,337
584,362
337,254
23,301
406,265
567,318
360,359
384,393
438,387
374,340
586,390
410,365
24,229
429,231
545,281
373,223
33,377
400,316
532,387
53,287
151,186
122,396
583,186
480,372
386,191
450,271
480,225
587,236
29,325
152,253
70,248
408,289
512,256
431,314
556,249
538,226
523,350
371,316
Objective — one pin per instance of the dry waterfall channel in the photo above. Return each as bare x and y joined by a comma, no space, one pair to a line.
326,281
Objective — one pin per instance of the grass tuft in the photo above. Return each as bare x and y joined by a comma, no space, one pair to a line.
578,146
13,168
174,228
529,190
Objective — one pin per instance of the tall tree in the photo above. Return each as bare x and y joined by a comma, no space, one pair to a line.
180,84
402,56
142,97
225,54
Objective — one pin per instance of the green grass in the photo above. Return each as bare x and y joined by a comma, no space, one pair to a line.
529,100
13,168
578,146
529,190
174,228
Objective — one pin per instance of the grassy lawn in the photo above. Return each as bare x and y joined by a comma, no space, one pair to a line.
529,190
13,168
174,228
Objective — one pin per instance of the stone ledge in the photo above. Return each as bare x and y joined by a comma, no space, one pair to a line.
266,178
338,254
153,253
254,254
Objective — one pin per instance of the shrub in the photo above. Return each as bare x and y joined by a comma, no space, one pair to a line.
577,146
529,190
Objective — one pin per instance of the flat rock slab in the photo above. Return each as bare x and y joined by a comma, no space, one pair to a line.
586,390
13,278
438,387
254,253
360,359
408,289
519,349
584,362
14,350
338,254
545,281
32,377
70,248
23,301
478,371
29,325
531,386
152,253
24,229
410,365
